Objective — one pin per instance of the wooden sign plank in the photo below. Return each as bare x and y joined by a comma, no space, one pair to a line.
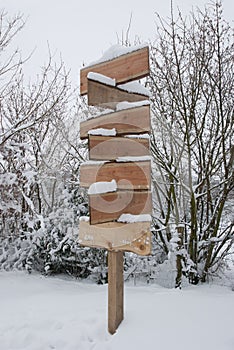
128,175
127,121
133,237
110,148
107,96
125,68
109,206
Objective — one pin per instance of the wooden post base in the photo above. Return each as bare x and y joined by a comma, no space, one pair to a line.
115,290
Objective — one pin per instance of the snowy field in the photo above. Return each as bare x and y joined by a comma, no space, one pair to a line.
39,313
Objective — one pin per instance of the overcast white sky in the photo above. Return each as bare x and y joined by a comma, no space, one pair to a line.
81,30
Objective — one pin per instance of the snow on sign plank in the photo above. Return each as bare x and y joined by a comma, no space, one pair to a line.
103,94
122,65
105,207
115,236
133,120
128,175
110,148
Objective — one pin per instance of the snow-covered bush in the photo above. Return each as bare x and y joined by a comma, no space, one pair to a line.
51,246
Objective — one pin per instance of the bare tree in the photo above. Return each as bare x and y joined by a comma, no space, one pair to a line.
192,104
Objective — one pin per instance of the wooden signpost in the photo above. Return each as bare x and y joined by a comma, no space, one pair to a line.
118,175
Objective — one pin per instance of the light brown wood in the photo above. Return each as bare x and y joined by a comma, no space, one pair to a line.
133,176
128,175
107,96
115,236
109,206
115,291
125,68
127,121
110,148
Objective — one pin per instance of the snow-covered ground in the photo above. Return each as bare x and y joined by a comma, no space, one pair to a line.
43,313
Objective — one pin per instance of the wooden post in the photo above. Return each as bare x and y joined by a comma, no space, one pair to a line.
133,177
115,290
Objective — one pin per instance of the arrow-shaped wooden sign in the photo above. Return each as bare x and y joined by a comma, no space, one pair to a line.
104,93
128,175
124,68
115,236
110,148
110,206
127,121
